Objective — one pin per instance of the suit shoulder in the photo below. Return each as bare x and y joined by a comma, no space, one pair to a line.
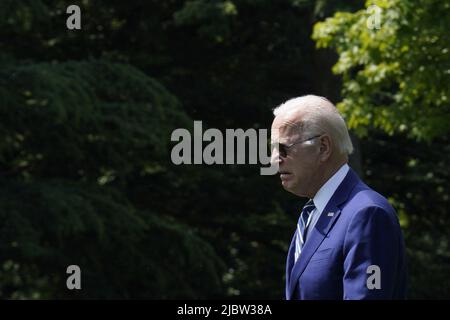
364,199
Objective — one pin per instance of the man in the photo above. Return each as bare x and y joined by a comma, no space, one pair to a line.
348,243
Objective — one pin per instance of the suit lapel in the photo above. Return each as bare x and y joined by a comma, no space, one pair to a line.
322,228
315,238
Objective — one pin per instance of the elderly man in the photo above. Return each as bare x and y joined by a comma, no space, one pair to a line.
348,243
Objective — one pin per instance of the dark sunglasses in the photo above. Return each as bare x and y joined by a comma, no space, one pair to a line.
283,148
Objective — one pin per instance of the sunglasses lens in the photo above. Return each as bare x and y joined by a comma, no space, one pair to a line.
283,152
281,148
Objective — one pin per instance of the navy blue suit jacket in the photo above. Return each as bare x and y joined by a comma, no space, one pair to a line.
357,229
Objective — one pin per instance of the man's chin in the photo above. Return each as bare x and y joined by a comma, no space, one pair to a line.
287,186
290,187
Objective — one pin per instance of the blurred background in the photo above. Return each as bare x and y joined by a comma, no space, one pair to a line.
86,117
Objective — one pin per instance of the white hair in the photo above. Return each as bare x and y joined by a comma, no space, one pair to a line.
319,116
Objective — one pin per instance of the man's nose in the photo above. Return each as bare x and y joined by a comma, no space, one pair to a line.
275,157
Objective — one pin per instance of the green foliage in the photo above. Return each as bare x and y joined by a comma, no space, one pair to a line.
219,82
210,17
72,134
74,223
115,118
396,78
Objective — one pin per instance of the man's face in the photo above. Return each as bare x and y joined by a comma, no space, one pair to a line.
299,167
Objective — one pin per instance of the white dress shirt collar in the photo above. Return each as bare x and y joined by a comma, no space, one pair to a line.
325,193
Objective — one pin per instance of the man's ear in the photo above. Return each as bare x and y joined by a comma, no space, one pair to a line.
325,147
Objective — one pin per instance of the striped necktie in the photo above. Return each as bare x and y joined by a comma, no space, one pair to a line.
302,224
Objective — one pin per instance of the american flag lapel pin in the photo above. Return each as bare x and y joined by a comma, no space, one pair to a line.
330,214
